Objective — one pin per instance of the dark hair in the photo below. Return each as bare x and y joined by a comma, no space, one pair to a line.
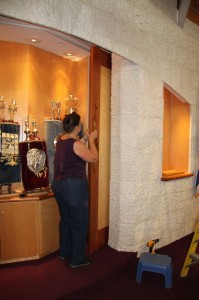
70,121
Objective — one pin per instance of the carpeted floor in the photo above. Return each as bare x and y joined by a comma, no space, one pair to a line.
111,276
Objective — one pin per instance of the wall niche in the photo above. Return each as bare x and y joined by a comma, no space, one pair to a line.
176,136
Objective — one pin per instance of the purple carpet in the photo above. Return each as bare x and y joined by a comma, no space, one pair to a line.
111,276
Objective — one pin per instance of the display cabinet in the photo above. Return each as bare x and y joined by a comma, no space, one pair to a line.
29,228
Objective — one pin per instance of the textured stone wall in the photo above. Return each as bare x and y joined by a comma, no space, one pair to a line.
142,206
148,49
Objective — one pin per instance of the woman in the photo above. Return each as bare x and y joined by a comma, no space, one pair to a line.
70,187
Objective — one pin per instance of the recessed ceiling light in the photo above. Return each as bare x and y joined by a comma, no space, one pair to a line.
33,39
69,54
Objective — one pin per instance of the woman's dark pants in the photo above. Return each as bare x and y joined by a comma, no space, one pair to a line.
71,195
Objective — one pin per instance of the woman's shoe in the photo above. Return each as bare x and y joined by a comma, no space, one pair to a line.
62,258
84,263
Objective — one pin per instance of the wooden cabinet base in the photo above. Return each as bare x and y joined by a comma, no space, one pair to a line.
29,228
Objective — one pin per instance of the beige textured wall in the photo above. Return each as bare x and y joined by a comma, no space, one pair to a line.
154,50
146,207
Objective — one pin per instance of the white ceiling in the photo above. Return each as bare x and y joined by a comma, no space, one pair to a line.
50,40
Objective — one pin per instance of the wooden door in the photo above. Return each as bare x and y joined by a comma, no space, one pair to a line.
99,173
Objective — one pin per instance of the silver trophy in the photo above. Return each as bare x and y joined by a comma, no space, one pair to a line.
34,131
53,107
27,130
58,104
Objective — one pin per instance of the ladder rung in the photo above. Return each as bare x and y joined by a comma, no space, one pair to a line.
194,256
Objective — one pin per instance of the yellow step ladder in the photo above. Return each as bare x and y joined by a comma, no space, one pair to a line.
192,257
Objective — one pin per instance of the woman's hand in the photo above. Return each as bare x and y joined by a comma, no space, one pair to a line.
92,135
90,153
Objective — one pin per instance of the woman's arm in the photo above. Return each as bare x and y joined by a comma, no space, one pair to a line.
89,154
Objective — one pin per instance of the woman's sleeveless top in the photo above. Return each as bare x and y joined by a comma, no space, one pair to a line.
67,163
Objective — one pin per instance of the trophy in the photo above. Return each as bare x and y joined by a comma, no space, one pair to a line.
72,104
59,110
27,130
12,110
2,108
34,131
53,106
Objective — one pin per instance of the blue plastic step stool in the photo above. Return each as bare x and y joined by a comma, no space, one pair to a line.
157,263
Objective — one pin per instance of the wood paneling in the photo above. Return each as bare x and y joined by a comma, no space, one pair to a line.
18,231
34,77
97,236
48,219
104,148
193,12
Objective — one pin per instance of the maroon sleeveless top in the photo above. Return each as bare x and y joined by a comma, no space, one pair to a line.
67,163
